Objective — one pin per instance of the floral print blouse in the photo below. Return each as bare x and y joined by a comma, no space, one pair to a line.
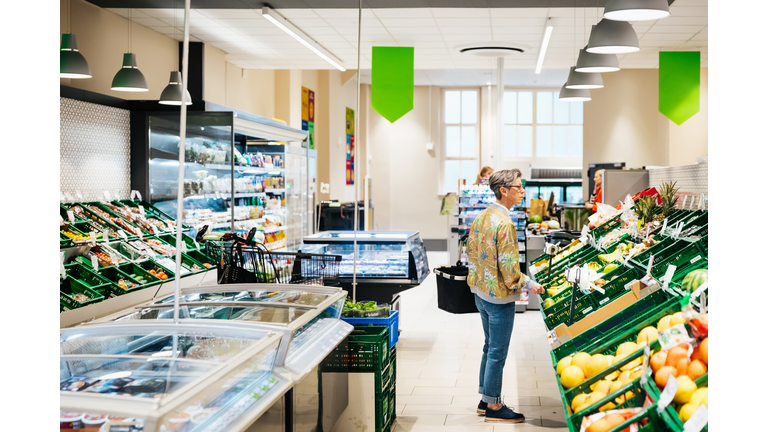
494,267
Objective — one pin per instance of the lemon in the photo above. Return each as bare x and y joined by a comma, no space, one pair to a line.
603,386
562,364
571,377
700,396
687,411
626,348
685,389
580,360
548,303
578,401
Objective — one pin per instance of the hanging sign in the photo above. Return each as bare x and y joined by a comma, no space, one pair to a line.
350,161
679,84
392,81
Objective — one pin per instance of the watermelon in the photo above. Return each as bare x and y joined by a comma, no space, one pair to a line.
694,279
535,219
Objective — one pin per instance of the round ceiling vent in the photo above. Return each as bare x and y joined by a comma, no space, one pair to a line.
492,49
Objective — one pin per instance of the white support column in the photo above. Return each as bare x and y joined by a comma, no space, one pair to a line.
498,152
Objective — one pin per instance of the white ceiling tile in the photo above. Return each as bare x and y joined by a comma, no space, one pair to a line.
461,12
230,13
527,39
166,30
420,40
413,30
156,13
265,31
135,13
525,22
665,36
458,39
519,12
149,22
661,43
371,38
692,46
352,22
303,23
422,50
571,12
690,3
682,21
244,22
320,31
194,22
676,11
701,37
397,13
639,29
335,38
353,30
519,30
463,22
675,29
343,13
466,30
297,13
408,22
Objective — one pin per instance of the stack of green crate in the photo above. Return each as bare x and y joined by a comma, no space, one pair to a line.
366,350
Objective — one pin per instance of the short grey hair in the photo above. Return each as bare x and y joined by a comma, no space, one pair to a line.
503,178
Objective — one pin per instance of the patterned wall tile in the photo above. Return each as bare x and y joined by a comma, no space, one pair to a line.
95,151
693,180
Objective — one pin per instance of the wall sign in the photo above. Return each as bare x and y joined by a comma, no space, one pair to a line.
308,115
350,146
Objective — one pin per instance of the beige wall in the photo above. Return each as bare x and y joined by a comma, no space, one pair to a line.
215,75
622,123
102,37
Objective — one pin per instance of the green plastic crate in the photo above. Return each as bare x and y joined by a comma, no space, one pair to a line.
606,337
126,250
583,306
643,257
68,287
366,350
151,210
123,220
135,269
202,258
171,239
151,264
690,254
674,423
556,272
605,228
115,275
85,275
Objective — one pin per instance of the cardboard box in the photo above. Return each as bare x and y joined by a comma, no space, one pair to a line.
637,290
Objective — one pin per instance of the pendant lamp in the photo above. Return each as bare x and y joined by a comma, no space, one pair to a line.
613,37
129,78
578,80
596,63
172,93
574,95
72,64
636,10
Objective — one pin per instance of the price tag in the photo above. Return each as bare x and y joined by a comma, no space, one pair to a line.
698,420
685,199
95,263
184,246
107,196
135,194
105,236
113,258
701,201
664,226
140,234
700,289
552,337
584,234
650,265
122,234
93,236
668,394
667,278
79,195
141,210
197,245
70,215
62,270
646,362
703,302
155,230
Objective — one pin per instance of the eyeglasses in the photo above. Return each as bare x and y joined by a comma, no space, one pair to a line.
520,188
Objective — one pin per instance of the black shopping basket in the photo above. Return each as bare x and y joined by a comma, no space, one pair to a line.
246,261
453,293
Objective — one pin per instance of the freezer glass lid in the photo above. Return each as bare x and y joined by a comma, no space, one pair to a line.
213,311
158,343
298,296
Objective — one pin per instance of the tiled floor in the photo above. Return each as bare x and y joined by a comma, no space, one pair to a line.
438,361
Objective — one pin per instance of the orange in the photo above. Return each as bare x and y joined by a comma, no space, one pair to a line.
696,355
664,323
658,360
675,355
682,367
663,375
696,369
704,350
601,425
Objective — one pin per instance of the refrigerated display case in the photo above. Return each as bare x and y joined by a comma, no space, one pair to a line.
158,376
308,318
388,261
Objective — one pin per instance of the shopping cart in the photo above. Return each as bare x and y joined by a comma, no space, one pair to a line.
243,260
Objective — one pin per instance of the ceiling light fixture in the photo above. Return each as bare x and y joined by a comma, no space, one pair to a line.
129,78
72,64
596,63
636,10
613,37
543,50
574,95
302,37
172,93
578,80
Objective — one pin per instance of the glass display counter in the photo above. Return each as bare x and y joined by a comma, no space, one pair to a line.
388,261
157,376
307,317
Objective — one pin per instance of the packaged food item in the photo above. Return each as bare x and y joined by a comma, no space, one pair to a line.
93,420
70,420
148,386
179,422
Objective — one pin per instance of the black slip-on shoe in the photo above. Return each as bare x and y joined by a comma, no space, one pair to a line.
481,407
503,415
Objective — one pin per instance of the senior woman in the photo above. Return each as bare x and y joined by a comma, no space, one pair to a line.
497,282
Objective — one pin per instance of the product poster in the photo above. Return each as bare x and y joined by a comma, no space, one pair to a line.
311,120
350,146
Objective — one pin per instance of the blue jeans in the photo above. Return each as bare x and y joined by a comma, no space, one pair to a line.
498,320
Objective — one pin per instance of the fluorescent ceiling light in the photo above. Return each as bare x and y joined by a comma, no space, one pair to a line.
302,37
543,50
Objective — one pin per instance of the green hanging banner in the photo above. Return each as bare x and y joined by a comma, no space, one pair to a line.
679,84
392,81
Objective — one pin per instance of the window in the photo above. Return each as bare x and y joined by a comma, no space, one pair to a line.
538,124
461,137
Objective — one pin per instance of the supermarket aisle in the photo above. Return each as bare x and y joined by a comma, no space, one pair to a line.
438,359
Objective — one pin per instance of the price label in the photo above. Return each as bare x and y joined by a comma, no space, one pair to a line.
700,289
646,362
79,195
674,336
184,246
93,236
141,234
135,194
70,215
701,201
650,265
155,230
664,227
685,199
122,234
141,210
552,337
113,258
703,302
105,236
668,394
698,420
668,276
95,263
62,270
197,246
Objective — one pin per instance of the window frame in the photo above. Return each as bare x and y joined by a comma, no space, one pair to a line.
444,136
